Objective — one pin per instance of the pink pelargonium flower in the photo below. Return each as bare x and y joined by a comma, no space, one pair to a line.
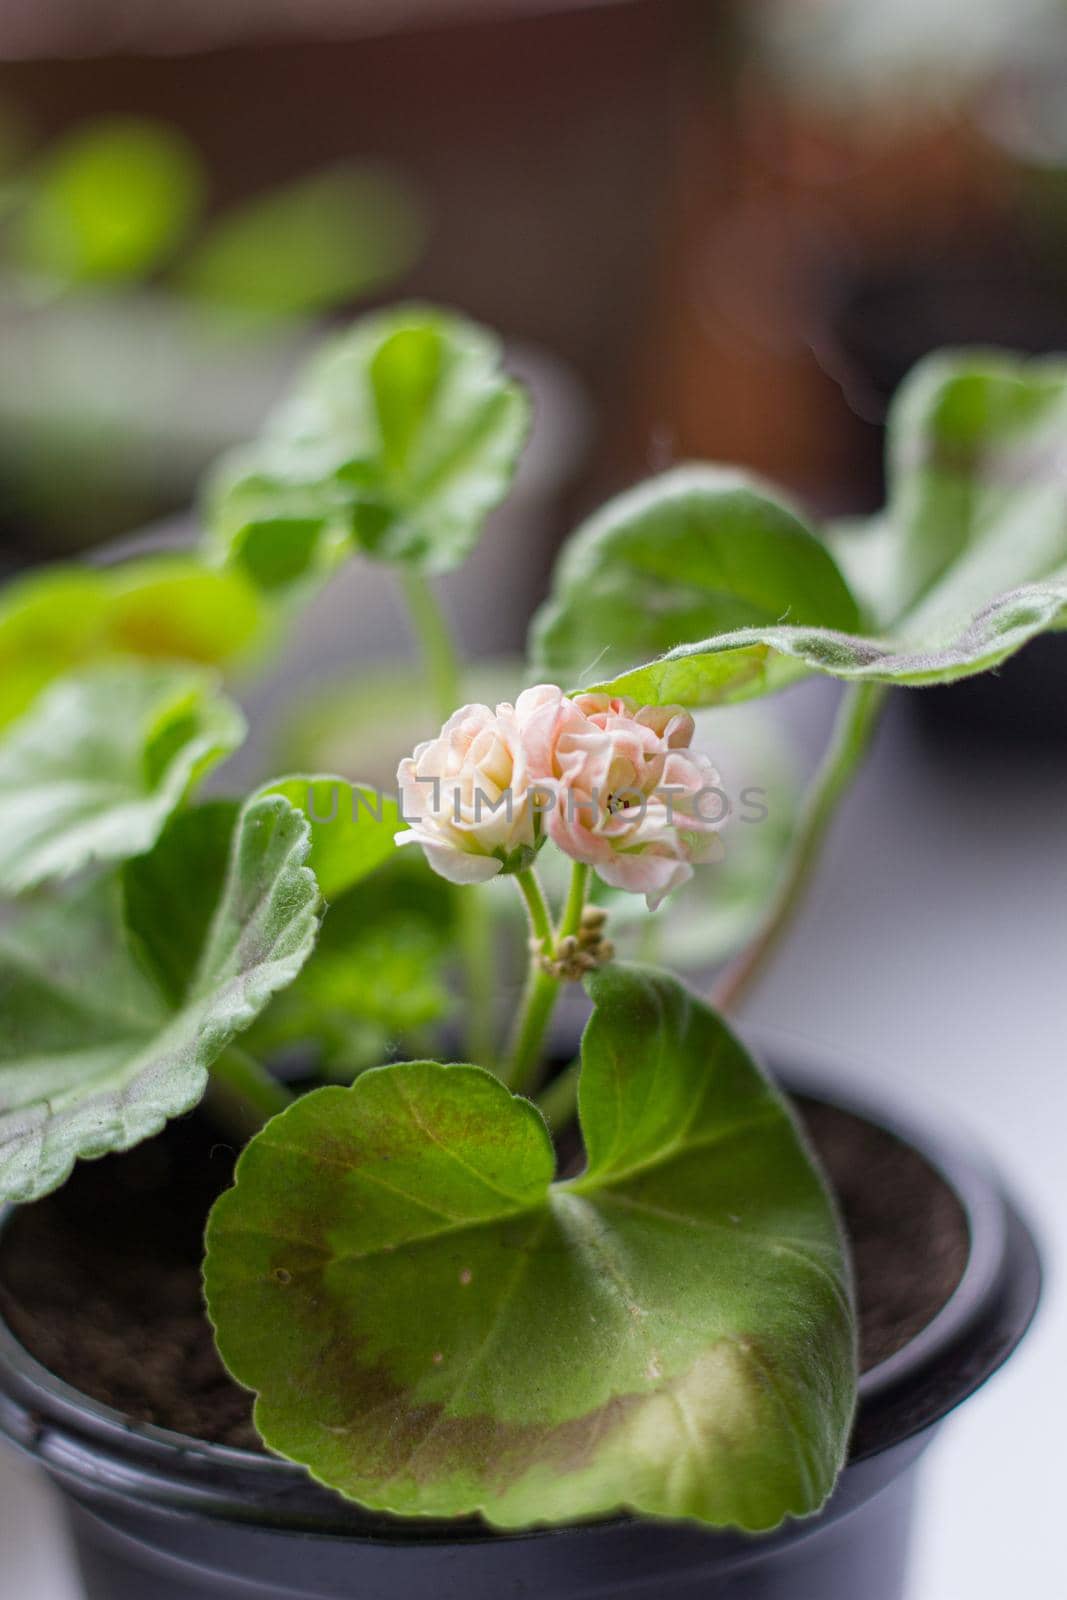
471,796
632,799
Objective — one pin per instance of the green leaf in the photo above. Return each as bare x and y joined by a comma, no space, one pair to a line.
353,827
976,497
378,975
110,203
721,670
309,246
375,977
435,1327
171,894
401,438
114,1004
969,561
161,608
173,608
95,768
48,626
700,549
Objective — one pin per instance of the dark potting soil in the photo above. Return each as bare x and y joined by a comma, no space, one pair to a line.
101,1282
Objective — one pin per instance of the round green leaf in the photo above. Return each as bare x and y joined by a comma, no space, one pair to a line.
976,481
49,624
161,608
353,827
309,246
110,203
171,608
97,765
400,439
699,550
114,1004
967,564
735,666
435,1327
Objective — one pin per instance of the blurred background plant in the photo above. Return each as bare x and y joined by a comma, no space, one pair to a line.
710,229
141,336
735,226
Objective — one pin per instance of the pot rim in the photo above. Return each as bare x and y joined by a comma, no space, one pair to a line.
968,1171
96,1452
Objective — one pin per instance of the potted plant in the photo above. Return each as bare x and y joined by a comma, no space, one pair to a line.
648,1321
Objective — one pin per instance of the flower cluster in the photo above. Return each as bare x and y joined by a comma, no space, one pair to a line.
612,785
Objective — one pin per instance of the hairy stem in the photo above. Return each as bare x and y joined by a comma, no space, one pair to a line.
443,669
533,898
525,1064
576,898
857,717
524,1059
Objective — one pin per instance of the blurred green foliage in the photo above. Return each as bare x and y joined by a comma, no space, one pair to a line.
143,337
315,244
110,203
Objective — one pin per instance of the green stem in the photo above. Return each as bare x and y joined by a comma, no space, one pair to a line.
524,1059
857,717
438,646
576,898
542,989
444,671
243,1095
529,886
525,1062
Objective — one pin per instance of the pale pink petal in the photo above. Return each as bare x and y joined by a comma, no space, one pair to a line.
647,873
458,866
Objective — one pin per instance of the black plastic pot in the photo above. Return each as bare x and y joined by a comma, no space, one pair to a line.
157,1515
